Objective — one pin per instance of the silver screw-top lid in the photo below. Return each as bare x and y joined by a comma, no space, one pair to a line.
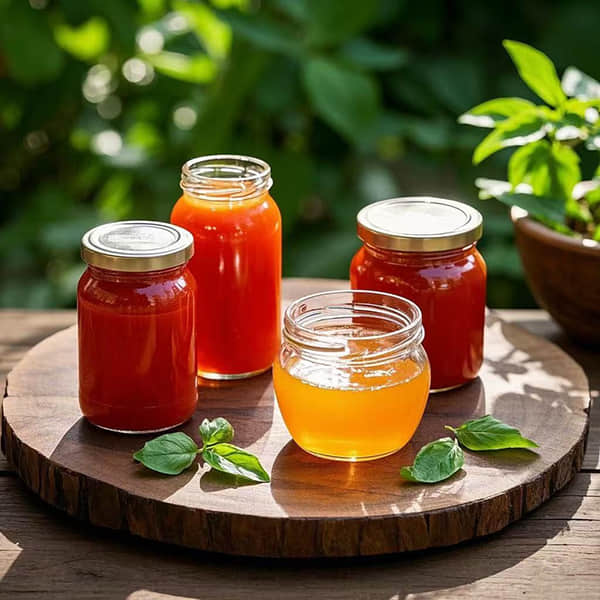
419,224
137,246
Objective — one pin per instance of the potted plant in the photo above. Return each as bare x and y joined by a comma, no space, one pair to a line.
556,215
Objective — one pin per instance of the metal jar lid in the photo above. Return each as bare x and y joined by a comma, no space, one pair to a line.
419,224
137,246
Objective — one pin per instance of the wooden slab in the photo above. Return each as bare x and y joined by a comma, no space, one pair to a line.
312,507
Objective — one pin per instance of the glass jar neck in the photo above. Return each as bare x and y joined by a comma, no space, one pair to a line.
419,257
225,177
354,328
135,276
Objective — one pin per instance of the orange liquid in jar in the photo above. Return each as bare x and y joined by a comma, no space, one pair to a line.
237,265
353,413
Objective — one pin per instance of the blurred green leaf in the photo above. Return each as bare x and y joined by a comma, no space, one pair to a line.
265,33
518,130
85,42
327,254
27,44
333,22
152,8
198,68
114,197
214,34
489,113
456,82
368,54
577,83
347,100
537,71
222,107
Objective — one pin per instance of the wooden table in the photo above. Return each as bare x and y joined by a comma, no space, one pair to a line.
552,553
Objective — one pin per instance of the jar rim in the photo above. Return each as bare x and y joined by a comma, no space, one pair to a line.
225,177
402,315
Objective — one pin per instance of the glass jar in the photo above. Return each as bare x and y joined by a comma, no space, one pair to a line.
425,249
237,235
136,327
352,377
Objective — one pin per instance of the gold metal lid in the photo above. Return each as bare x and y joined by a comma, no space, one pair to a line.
419,224
137,246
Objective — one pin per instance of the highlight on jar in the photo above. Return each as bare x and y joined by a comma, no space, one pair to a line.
352,377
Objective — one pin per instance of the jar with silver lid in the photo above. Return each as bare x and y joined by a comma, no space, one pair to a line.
136,327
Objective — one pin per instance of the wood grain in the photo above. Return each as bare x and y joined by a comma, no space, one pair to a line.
312,507
553,554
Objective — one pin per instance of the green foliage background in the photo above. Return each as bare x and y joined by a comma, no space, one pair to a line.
351,101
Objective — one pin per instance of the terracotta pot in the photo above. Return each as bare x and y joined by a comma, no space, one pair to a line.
563,274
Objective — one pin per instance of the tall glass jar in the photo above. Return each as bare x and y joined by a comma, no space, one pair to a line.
237,235
136,327
352,378
425,249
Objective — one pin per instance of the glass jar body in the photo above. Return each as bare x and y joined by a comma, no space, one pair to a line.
137,356
237,265
449,288
363,404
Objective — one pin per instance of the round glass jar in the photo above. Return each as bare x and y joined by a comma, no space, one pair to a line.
236,226
424,249
352,378
136,327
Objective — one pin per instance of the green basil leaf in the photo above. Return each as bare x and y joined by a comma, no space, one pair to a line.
518,130
236,461
344,98
489,433
551,169
490,113
528,160
537,71
216,431
435,462
577,83
543,208
170,454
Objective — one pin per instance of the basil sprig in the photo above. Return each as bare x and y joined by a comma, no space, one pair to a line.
172,453
489,433
435,462
442,458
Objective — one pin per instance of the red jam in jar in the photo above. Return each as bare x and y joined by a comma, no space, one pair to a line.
424,249
136,327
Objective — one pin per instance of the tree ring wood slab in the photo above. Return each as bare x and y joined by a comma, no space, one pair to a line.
312,508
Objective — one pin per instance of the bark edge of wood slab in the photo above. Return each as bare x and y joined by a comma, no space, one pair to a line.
312,508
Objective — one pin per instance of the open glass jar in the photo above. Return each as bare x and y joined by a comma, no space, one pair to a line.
352,377
136,327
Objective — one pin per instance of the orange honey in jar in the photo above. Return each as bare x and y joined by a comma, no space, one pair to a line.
352,378
424,249
237,263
